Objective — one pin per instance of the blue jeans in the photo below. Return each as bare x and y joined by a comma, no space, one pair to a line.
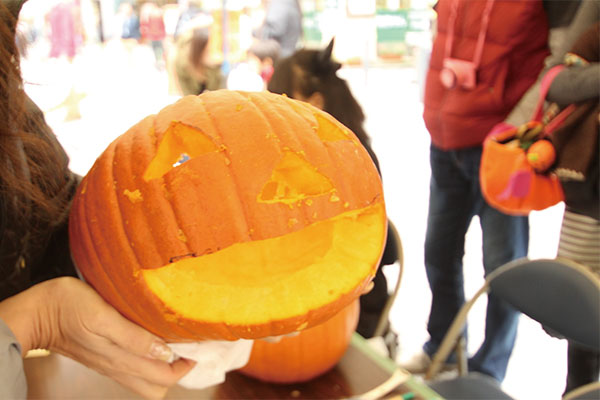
455,197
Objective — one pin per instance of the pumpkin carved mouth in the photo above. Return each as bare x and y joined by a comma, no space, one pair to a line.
260,278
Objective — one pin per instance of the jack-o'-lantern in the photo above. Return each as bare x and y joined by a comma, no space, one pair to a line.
230,215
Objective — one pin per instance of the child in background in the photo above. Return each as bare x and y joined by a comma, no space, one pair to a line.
254,73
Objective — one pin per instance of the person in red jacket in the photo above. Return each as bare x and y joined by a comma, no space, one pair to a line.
485,56
152,29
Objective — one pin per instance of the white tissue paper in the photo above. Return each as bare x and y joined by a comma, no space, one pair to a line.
213,360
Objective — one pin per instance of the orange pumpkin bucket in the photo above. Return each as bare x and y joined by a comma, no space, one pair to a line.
509,181
514,174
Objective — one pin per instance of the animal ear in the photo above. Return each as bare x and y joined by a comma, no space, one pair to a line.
325,54
324,58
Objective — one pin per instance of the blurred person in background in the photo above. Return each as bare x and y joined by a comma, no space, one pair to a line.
66,31
152,29
263,54
42,303
129,24
255,72
194,70
576,142
189,11
30,28
480,68
311,76
459,113
283,23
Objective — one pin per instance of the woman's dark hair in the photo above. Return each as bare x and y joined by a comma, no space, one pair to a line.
198,44
31,167
308,71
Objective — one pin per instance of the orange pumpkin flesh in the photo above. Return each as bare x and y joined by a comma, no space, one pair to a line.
309,354
260,278
230,215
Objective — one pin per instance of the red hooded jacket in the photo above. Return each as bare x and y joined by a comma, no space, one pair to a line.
512,58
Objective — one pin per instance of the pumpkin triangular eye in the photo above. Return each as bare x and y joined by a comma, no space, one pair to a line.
294,179
180,143
328,131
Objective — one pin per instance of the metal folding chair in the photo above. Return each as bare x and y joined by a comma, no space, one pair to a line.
383,328
560,294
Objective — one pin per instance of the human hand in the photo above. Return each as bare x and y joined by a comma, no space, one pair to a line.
67,316
368,288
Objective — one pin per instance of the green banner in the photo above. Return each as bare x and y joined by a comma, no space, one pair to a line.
392,27
311,26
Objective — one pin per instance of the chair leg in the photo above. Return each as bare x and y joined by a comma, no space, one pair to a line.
461,356
580,391
453,333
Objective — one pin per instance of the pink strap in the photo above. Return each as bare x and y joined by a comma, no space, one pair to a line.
558,119
485,19
547,80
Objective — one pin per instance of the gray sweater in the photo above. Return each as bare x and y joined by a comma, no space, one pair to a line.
561,14
283,23
582,83
12,377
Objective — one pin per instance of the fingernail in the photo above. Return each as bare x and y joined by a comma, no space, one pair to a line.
161,351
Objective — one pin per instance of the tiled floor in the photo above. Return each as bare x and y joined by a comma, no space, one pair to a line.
113,98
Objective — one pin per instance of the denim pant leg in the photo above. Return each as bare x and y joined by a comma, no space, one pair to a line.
455,198
451,206
583,366
505,238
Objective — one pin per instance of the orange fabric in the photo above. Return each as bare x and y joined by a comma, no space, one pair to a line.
510,183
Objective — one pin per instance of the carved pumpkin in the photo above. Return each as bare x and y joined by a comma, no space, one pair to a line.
307,355
230,215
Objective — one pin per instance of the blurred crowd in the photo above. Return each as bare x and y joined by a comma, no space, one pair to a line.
199,47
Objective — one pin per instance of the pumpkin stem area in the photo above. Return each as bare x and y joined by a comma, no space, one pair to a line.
275,279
